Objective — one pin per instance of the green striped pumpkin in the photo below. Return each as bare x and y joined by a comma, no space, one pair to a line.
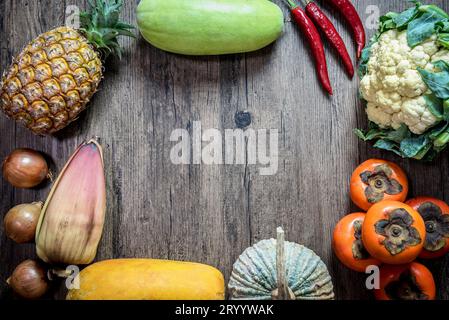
271,267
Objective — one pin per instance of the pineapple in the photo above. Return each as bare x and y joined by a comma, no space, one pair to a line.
51,81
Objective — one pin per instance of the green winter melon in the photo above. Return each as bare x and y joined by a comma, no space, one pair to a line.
209,27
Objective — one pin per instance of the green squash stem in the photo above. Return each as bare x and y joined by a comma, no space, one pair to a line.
283,292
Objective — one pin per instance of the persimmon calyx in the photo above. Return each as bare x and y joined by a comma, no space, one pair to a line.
405,288
398,231
358,249
437,226
379,183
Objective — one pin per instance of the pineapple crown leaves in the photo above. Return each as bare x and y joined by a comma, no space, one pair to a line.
101,26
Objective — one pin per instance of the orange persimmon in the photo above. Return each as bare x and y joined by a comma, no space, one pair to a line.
435,214
405,282
393,232
347,243
375,180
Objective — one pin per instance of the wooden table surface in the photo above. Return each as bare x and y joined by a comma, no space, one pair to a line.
211,213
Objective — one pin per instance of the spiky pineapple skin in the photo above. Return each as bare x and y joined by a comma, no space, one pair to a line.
51,81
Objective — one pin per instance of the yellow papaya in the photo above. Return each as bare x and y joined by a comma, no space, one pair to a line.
148,279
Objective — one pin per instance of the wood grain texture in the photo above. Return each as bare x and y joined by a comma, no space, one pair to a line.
211,213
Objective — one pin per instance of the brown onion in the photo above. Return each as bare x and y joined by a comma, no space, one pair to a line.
21,222
25,168
29,280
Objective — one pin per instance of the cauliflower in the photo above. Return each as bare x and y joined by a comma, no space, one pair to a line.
393,87
404,75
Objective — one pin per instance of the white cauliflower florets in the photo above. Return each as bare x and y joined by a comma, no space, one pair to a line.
393,86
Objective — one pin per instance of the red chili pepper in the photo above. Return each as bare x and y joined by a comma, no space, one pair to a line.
314,39
323,22
352,17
